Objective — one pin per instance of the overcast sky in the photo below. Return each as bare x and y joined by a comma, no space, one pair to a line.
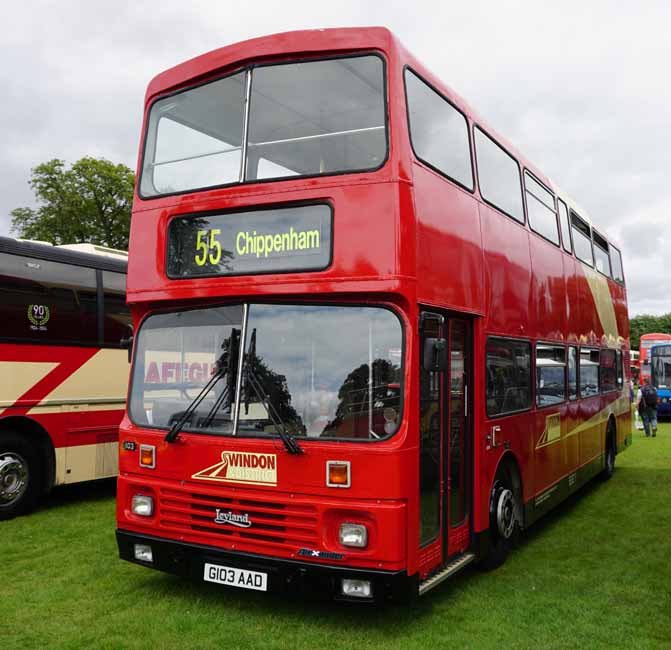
582,88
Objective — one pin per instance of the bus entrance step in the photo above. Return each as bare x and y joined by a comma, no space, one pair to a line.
453,567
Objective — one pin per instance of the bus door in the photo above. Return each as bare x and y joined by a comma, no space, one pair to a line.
444,478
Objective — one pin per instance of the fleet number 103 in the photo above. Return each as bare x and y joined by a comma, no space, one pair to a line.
208,247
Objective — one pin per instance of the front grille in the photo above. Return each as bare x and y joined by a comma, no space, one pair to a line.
276,521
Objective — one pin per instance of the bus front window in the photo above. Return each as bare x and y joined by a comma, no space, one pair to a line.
315,371
304,118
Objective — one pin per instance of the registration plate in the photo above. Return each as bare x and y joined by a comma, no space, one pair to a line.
226,575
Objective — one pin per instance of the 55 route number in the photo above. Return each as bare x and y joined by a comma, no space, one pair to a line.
208,247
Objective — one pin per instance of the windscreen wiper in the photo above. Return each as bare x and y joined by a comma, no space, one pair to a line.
289,441
222,368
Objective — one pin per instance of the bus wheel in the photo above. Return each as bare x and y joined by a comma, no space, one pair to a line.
19,475
609,464
504,512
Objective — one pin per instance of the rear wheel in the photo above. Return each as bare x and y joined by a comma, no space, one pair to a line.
20,475
609,464
504,517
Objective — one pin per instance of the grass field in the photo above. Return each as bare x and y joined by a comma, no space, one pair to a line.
594,574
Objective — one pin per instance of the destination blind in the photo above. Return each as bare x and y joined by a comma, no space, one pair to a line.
278,240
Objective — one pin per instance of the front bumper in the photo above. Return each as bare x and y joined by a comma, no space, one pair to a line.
284,576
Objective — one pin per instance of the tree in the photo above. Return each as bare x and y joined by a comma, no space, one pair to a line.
647,324
88,203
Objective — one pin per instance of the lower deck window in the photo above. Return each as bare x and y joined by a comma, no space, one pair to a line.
550,374
589,372
508,376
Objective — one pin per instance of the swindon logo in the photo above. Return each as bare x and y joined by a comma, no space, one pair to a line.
242,467
232,518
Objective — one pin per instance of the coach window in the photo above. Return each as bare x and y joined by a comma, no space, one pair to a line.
508,376
565,227
117,319
589,372
616,260
601,256
620,370
48,302
438,131
572,373
541,209
498,176
550,374
582,239
608,370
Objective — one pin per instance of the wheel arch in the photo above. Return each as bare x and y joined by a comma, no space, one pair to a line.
510,462
30,428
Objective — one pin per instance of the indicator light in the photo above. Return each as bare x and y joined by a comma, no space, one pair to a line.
338,473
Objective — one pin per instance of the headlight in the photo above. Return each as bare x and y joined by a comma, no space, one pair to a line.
142,505
355,535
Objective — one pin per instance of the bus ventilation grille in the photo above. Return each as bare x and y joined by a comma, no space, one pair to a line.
273,522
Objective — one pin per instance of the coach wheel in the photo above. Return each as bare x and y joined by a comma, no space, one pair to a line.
20,471
504,513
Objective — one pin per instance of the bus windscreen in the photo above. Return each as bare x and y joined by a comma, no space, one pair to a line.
297,372
305,118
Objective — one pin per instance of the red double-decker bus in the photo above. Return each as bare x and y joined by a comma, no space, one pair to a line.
64,373
373,342
647,341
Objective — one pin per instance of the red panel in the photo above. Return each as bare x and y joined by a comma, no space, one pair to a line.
447,230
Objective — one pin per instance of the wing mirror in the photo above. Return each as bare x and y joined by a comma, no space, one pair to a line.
127,343
435,355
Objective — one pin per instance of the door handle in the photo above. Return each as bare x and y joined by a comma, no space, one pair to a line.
493,437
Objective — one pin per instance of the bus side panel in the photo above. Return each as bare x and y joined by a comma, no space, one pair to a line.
548,291
507,273
448,229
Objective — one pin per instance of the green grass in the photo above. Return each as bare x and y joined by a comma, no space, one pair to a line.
594,574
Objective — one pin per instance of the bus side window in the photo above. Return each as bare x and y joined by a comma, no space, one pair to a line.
48,302
499,176
589,372
541,209
117,319
550,374
616,260
438,131
565,227
608,370
508,376
582,239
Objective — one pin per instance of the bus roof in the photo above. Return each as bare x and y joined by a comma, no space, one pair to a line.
106,259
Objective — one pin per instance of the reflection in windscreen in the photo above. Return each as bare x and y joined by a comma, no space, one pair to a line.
314,371
176,355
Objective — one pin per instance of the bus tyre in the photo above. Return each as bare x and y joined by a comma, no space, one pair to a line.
20,475
504,513
609,453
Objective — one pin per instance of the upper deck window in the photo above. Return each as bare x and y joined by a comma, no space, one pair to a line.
616,260
541,209
601,256
499,176
438,131
565,228
305,118
582,239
